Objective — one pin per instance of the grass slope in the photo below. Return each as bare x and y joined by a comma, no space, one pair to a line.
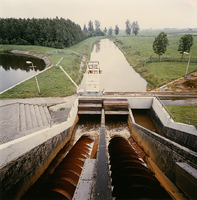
52,82
185,111
139,47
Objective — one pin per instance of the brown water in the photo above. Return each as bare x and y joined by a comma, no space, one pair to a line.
117,74
116,125
88,124
143,119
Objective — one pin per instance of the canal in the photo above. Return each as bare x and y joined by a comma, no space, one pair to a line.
117,74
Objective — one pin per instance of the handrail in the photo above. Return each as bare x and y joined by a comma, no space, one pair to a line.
171,115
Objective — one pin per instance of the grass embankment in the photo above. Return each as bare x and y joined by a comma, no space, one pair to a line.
186,111
137,48
52,82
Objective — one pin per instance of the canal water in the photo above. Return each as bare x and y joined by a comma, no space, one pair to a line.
13,69
117,74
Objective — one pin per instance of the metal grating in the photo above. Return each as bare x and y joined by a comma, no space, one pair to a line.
84,186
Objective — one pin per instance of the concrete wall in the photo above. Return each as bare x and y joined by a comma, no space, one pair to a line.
23,160
140,102
164,152
183,134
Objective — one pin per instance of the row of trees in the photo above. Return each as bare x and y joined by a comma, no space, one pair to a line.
134,27
55,32
90,31
161,42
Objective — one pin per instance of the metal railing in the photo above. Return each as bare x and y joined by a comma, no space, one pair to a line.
166,59
171,115
60,51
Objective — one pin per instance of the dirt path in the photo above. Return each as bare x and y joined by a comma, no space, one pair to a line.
181,85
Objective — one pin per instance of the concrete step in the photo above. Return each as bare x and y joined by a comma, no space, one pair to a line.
89,112
18,118
22,117
116,112
43,116
48,116
28,117
90,101
115,105
38,116
33,116
95,107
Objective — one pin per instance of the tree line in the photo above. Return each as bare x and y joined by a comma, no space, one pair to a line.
57,33
90,31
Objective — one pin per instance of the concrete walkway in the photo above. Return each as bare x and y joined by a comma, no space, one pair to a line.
20,117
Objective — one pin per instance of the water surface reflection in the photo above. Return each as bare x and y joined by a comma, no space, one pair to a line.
13,69
117,75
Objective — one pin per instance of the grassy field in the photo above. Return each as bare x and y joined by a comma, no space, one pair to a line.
52,82
160,73
137,48
185,111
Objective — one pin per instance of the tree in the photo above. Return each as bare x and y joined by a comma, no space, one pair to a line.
116,30
105,30
110,31
97,26
185,43
135,27
160,44
55,32
85,28
128,27
90,26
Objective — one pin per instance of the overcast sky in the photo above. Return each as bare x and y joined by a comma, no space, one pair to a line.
149,13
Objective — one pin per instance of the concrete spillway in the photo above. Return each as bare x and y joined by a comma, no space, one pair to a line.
161,152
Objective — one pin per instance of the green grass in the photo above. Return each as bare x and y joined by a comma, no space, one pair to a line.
137,48
53,82
165,72
185,111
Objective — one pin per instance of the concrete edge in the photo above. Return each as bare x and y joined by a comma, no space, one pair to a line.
14,149
169,122
29,53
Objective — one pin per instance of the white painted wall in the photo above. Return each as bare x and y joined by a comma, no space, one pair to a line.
168,122
140,102
16,148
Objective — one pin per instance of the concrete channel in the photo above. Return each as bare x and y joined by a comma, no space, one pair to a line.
60,162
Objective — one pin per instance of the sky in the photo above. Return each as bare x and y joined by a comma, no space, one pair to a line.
155,14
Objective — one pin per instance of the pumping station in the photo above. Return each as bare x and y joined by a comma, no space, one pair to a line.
111,145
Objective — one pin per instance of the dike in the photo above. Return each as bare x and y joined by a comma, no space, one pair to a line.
30,53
